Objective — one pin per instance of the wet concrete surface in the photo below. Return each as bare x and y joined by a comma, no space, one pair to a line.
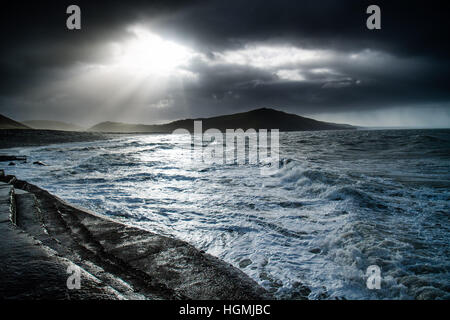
117,261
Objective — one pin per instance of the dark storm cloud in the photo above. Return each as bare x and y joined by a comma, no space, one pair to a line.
409,27
404,64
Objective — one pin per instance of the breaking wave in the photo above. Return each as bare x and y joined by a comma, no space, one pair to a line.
341,201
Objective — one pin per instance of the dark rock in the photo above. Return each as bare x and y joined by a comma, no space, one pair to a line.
11,164
9,179
323,295
264,276
300,291
40,163
244,263
12,158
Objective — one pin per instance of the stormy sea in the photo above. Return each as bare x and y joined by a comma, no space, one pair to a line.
341,202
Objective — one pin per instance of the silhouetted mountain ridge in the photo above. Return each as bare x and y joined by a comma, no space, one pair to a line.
8,123
263,118
52,125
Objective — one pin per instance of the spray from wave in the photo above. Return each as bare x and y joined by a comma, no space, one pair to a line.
341,202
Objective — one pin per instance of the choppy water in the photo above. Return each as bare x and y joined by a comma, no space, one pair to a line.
342,201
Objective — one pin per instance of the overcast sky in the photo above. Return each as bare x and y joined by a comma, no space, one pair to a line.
149,61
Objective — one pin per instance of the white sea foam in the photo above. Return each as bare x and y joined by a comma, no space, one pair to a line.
340,202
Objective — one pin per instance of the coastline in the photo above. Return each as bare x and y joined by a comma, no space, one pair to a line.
13,138
45,235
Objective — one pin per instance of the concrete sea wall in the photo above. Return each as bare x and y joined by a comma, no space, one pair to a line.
41,236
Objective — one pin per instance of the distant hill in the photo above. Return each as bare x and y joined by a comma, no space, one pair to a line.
7,123
109,126
258,119
52,125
